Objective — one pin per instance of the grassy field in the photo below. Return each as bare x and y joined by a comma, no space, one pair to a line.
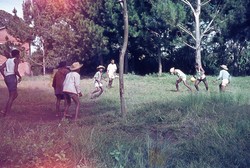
163,128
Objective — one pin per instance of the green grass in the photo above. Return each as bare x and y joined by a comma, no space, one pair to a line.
162,129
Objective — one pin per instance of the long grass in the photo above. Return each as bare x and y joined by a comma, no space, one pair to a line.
162,129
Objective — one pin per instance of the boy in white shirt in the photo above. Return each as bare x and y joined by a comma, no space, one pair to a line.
181,78
98,83
111,70
10,72
225,78
71,88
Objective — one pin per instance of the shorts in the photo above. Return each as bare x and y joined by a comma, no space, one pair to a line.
11,82
183,78
224,82
59,96
202,80
111,76
97,84
68,95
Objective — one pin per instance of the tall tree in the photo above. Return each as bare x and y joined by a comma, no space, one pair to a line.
178,16
68,29
122,55
17,28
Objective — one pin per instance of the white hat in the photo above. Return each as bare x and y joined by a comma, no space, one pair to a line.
100,67
75,66
224,67
172,70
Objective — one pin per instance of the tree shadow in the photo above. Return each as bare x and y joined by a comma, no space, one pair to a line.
31,105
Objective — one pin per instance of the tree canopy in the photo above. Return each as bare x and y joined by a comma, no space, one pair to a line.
160,32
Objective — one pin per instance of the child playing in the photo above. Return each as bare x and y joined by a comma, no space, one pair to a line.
181,77
57,84
71,88
225,77
97,81
10,72
111,70
200,77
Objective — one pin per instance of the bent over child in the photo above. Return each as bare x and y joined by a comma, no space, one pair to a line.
181,77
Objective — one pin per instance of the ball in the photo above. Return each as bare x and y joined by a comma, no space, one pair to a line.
193,79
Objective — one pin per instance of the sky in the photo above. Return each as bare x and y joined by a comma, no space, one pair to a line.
9,5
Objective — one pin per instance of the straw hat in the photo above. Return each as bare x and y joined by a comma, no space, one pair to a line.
75,66
100,67
224,67
172,70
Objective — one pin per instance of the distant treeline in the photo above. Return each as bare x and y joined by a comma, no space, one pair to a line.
161,33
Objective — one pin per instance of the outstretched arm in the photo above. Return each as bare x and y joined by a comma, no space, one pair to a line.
2,69
16,61
220,76
202,70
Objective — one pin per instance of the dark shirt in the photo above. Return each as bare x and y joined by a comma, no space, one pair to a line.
59,79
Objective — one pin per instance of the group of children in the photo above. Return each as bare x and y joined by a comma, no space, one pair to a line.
200,76
66,81
66,84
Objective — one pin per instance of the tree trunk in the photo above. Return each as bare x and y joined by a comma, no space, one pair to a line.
44,66
121,61
160,64
126,63
198,33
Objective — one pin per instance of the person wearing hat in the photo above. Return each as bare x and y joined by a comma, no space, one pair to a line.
200,77
71,88
10,72
224,76
181,78
111,70
57,84
98,82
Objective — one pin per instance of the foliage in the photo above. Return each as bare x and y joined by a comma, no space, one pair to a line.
23,33
232,39
66,35
93,32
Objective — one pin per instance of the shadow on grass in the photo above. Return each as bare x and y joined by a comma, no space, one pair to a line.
38,104
31,105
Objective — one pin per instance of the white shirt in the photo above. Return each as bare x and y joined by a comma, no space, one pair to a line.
71,83
223,75
111,70
180,74
10,67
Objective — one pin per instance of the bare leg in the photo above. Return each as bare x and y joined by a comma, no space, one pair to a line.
65,102
95,91
177,84
68,103
77,102
185,83
206,84
58,106
222,88
12,97
197,82
110,82
101,91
